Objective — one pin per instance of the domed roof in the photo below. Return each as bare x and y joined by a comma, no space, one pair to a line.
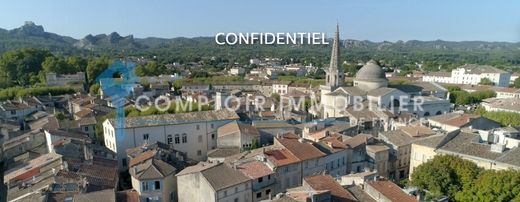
371,72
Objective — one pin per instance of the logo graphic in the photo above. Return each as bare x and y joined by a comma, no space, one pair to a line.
117,82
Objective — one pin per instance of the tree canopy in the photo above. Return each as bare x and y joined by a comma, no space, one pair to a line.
463,180
516,84
444,175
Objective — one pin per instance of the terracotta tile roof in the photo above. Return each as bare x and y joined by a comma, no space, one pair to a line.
201,166
84,112
433,141
302,150
254,169
396,137
391,191
152,169
107,195
318,135
454,119
128,196
357,140
100,175
377,148
235,127
326,182
361,195
462,120
223,176
168,119
144,156
281,157
417,131
223,152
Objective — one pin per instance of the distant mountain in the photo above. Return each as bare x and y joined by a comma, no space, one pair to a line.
32,35
113,40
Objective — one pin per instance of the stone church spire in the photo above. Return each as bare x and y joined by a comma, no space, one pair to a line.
335,75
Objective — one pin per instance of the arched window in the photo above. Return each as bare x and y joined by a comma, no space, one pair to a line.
177,139
184,138
169,139
396,103
426,113
438,113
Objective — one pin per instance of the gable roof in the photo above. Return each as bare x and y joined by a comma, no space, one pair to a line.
357,140
234,127
391,191
302,150
152,169
468,144
281,157
254,169
326,182
142,157
222,176
454,119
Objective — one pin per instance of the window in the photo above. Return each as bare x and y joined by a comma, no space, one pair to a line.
259,195
123,161
13,112
157,185
199,153
184,138
198,127
86,128
236,200
177,139
212,125
169,139
260,179
200,138
145,136
269,177
212,136
267,192
144,185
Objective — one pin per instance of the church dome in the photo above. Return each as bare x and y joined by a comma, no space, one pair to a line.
371,72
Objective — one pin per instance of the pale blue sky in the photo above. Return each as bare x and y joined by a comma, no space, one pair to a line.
390,20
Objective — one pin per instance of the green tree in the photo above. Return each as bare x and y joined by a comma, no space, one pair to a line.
60,116
444,175
17,66
150,69
96,67
77,63
56,65
492,185
516,84
94,89
486,81
276,97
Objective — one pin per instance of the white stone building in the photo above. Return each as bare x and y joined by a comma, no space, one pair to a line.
471,74
213,182
193,133
52,79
